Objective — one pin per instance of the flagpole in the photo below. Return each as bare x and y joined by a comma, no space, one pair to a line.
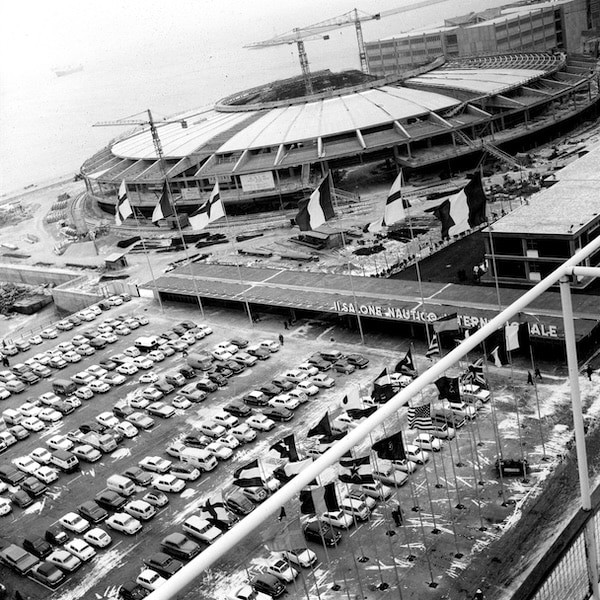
163,167
162,310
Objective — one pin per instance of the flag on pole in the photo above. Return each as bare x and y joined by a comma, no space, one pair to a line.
434,347
293,468
391,447
419,417
318,209
464,210
395,204
447,323
511,336
383,378
476,370
352,399
448,388
210,211
163,208
286,448
374,226
249,475
358,470
406,364
123,208
495,357
359,413
318,500
323,427
216,512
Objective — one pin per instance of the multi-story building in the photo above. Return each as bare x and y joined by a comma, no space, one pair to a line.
534,27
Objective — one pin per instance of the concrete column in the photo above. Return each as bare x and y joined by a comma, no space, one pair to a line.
589,537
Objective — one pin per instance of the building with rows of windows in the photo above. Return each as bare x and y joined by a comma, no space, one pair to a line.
532,27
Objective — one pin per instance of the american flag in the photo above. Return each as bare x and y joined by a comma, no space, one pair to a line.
434,347
419,417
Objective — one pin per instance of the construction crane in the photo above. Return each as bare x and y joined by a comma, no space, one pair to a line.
320,30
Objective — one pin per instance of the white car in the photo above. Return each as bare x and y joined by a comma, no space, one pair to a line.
64,560
81,549
205,329
124,523
168,483
46,474
79,340
122,330
49,399
302,557
127,368
231,441
426,441
98,386
150,580
269,345
260,422
26,464
156,356
282,569
5,506
149,377
97,371
220,354
415,454
115,300
113,379
220,450
225,419
151,393
231,348
155,464
181,402
127,429
285,401
243,433
110,337
32,424
82,378
97,537
41,456
308,369
72,356
211,429
131,351
295,375
247,592
29,409
139,402
140,509
36,340
308,387
107,419
4,393
49,334
323,381
40,370
8,438
84,393
141,362
59,442
65,347
49,415
74,522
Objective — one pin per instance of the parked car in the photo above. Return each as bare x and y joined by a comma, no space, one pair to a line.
47,574
322,533
64,560
155,464
124,523
74,522
97,537
237,409
163,564
179,546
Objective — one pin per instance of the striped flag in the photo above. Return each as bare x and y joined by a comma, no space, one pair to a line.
323,427
293,468
163,208
446,323
464,210
286,448
318,209
359,470
419,417
395,204
405,364
318,500
249,475
434,347
210,211
123,208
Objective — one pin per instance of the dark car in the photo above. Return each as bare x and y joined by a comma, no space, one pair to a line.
110,500
358,360
115,434
164,386
188,372
221,369
260,353
95,427
19,432
343,366
283,384
56,535
28,377
268,584
138,475
187,325
47,574
179,546
92,512
234,366
322,533
238,409
163,564
255,399
217,378
277,413
64,408
37,545
11,475
33,486
196,440
239,342
108,364
512,466
74,319
238,503
206,385
132,591
21,498
179,329
171,335
318,361
98,343
269,390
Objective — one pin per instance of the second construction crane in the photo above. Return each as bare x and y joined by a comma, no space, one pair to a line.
321,29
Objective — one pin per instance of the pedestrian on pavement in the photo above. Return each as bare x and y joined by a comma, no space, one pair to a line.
184,353
529,378
281,339
589,371
5,361
537,374
397,516
285,325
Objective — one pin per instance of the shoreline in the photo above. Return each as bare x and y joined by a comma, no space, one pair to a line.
34,187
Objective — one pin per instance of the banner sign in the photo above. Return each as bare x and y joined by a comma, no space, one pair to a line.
255,182
412,315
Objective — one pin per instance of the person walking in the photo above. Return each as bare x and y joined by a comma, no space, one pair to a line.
281,339
589,371
397,516
529,378
537,374
285,325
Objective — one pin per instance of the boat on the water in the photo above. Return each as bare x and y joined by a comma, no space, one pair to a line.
67,70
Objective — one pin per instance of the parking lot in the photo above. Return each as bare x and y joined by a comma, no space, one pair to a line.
436,537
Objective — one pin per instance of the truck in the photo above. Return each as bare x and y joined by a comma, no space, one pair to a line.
102,442
147,343
18,559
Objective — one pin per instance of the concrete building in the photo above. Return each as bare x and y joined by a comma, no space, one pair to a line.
526,245
532,27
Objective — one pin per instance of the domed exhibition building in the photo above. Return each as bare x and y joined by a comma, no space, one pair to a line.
269,146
